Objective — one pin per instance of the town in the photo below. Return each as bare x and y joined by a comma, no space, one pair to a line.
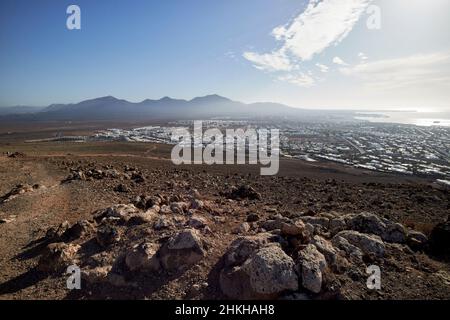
404,149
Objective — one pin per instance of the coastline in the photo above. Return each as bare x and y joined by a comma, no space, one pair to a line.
408,117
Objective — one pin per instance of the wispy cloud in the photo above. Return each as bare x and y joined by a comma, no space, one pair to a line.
411,71
323,68
276,61
323,23
362,56
230,54
300,79
339,61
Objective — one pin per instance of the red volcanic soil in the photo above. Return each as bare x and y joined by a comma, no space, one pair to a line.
51,183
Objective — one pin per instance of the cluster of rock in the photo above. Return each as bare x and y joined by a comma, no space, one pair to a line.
15,154
184,248
242,192
270,258
8,219
99,174
179,252
19,190
299,255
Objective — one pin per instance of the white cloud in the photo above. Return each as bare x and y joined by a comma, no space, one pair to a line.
275,61
339,61
421,70
323,23
300,79
362,56
323,68
230,54
279,32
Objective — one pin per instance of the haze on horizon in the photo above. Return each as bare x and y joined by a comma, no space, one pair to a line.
309,54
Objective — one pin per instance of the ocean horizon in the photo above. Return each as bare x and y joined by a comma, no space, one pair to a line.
407,117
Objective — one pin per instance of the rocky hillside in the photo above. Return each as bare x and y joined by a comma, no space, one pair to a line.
147,230
324,256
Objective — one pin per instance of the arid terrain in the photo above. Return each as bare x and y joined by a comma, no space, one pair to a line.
140,227
225,158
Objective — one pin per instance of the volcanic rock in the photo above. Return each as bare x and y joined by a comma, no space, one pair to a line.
137,177
332,255
311,263
197,204
197,222
57,256
241,248
440,238
252,217
244,227
146,202
182,251
286,226
95,275
122,188
143,256
55,234
75,175
165,209
244,192
316,221
416,240
353,252
369,244
79,229
16,155
371,224
16,191
163,222
107,235
121,211
267,273
179,207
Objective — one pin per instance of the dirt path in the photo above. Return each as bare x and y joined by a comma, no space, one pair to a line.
32,214
33,211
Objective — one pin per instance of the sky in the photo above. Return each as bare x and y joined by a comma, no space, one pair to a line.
318,54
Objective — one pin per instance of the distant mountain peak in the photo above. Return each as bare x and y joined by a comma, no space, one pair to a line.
215,96
211,98
101,99
165,99
105,98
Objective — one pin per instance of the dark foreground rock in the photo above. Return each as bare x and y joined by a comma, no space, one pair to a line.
56,257
243,192
440,238
255,269
182,251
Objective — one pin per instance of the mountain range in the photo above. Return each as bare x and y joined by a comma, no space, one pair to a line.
113,109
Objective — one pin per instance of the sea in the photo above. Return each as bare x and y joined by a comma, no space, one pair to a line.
407,117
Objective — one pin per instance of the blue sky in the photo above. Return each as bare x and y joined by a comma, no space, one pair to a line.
186,48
